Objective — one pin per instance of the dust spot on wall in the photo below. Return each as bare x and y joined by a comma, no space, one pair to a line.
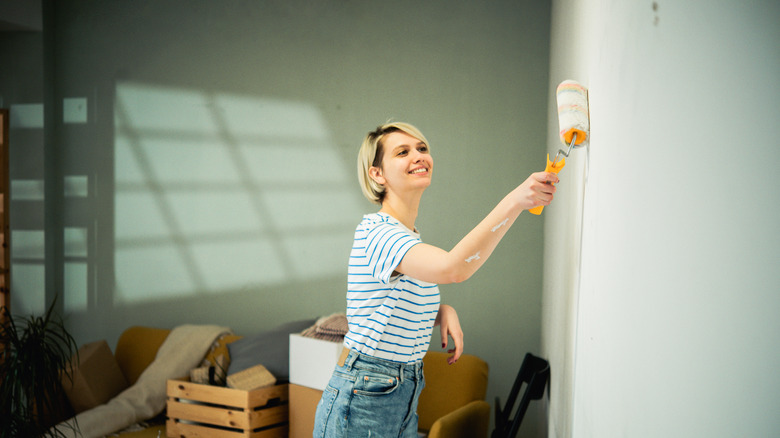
656,17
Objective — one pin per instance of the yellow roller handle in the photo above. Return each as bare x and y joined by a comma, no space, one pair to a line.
554,168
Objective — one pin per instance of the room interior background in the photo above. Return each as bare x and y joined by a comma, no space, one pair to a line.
178,162
194,162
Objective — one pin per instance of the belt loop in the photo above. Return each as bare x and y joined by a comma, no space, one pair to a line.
351,358
401,372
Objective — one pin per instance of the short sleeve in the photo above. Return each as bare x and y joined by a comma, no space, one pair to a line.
386,246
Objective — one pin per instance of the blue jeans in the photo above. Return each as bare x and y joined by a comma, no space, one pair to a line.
370,397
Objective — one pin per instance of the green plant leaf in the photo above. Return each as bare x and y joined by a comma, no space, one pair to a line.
36,352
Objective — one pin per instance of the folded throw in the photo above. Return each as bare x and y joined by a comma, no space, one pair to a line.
329,328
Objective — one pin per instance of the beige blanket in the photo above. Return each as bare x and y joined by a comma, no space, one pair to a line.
183,350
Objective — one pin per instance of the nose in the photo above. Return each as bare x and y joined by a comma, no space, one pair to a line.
417,155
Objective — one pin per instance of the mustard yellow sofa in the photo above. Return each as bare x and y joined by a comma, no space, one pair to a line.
136,349
452,404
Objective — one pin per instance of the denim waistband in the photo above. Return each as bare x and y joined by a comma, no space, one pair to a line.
388,367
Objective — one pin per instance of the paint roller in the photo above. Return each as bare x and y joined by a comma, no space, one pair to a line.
573,122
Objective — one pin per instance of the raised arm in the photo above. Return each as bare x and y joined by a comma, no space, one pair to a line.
435,265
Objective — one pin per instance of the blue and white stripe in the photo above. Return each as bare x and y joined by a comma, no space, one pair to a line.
390,316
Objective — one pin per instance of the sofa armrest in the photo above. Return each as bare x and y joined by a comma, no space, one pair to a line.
469,421
137,348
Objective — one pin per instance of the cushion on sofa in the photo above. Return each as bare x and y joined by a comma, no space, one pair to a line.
211,374
219,351
95,377
270,349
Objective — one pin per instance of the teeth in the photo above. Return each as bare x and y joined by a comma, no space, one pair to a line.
422,170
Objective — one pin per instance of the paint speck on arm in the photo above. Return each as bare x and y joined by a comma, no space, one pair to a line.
474,257
499,225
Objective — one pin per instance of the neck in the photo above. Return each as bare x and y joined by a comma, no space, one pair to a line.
403,209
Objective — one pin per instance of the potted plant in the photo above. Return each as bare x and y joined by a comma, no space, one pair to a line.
34,354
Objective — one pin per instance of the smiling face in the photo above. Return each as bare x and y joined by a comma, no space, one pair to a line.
406,163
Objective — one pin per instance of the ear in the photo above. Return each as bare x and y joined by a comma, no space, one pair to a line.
376,174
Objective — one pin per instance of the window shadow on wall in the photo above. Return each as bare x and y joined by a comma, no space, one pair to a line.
219,203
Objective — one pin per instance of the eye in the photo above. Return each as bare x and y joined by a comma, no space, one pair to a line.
423,148
402,152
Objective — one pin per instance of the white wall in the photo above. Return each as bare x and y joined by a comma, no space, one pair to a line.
662,321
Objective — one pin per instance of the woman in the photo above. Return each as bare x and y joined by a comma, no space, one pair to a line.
392,295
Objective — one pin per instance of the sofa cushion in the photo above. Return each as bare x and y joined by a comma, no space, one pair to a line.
94,377
270,349
211,373
220,352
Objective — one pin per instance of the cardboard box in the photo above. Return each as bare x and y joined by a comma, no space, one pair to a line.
312,361
197,410
303,406
96,377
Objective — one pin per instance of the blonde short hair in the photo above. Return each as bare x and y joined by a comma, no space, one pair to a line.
370,155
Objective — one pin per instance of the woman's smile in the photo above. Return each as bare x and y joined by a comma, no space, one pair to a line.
419,170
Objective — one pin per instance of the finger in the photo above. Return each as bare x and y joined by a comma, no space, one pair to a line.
547,189
451,359
454,358
546,177
458,351
543,187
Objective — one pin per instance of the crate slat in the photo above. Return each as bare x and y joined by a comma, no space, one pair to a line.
265,417
208,414
261,398
175,429
208,394
183,430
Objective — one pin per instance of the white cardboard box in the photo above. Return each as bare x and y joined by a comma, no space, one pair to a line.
312,361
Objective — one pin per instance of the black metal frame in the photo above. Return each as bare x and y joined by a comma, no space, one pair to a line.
535,372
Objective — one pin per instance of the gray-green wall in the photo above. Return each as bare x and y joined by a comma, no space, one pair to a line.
199,158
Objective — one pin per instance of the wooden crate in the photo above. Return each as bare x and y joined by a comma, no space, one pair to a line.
196,410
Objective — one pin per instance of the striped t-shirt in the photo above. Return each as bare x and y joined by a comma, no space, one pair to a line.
390,316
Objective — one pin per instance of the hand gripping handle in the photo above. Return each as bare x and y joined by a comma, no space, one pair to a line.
554,168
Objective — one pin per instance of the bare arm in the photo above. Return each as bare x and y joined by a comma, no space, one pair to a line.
435,265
